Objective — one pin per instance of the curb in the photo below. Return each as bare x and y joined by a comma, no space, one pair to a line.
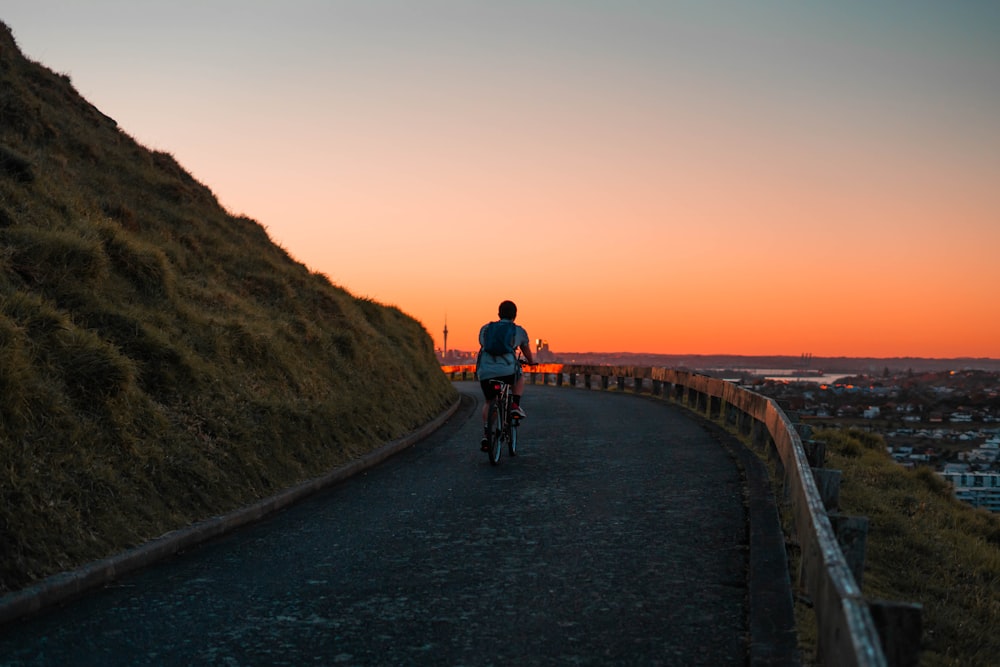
773,638
63,586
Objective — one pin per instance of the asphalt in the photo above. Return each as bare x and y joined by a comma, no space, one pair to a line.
626,532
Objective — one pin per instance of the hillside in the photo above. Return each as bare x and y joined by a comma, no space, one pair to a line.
161,360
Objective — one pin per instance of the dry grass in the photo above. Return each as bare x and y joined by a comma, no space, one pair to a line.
924,546
161,360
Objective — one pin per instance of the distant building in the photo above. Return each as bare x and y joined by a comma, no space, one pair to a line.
542,352
979,489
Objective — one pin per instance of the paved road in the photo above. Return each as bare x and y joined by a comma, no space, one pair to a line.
617,536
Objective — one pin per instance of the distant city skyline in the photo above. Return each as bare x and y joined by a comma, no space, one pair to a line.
769,365
682,177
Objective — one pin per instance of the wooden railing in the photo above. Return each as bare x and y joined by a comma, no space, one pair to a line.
850,629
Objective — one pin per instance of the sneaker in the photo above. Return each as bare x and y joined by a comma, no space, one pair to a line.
484,445
516,411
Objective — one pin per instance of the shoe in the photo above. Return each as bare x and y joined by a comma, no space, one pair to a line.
484,445
516,411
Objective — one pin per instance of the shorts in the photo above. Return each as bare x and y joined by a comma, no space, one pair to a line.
487,385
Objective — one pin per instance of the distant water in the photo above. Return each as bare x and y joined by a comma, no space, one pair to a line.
825,378
791,375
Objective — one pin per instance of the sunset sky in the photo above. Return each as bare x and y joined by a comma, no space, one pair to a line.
692,177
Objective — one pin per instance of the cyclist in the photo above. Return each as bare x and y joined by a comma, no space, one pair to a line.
494,363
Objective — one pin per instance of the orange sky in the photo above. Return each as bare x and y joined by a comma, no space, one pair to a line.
683,178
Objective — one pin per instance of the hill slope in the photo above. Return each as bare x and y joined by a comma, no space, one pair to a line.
162,361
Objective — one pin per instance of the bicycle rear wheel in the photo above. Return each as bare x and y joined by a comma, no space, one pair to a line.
493,428
512,437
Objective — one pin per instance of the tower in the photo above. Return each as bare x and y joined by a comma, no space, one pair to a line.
444,349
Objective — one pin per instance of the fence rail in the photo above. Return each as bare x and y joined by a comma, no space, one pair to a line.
850,629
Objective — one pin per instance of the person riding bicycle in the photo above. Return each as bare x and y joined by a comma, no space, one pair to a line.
496,360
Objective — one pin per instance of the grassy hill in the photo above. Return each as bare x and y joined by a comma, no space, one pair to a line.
924,546
161,360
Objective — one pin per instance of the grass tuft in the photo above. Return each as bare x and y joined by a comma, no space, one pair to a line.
53,259
144,265
15,166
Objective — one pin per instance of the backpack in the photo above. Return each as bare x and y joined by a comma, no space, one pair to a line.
499,338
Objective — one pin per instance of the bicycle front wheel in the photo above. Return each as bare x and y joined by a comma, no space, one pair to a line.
493,428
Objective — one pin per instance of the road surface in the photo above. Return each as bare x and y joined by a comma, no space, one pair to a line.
618,535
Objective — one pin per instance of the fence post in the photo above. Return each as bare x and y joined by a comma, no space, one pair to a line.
732,414
899,626
852,535
828,485
815,452
758,434
714,407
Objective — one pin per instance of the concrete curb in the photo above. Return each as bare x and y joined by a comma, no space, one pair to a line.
61,587
773,638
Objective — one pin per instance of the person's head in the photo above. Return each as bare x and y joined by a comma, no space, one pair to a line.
507,310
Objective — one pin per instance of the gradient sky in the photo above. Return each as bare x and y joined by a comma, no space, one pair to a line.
693,177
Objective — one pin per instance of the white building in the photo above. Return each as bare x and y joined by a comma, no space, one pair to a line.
979,489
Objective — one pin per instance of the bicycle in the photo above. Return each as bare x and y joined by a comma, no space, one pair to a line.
501,425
